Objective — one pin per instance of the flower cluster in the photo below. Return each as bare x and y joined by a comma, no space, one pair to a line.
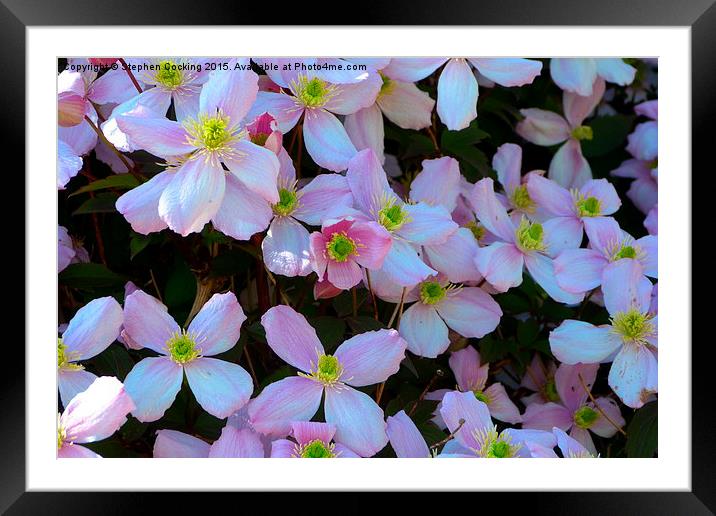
360,257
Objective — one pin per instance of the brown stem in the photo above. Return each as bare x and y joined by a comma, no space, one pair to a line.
355,302
379,393
203,293
131,75
372,295
437,374
250,364
397,307
596,405
449,437
156,286
98,238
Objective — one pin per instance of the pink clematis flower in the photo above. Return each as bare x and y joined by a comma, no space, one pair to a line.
478,437
342,247
525,245
577,75
651,222
457,86
402,102
196,189
365,359
540,378
93,328
568,167
405,438
69,251
470,311
220,387
409,224
570,208
92,415
572,412
233,443
630,341
287,245
318,96
581,270
643,167
311,440
471,376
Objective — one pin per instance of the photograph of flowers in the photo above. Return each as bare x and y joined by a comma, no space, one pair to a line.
357,257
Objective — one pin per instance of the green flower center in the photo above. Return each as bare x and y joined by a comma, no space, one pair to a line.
316,450
626,251
64,359
550,391
169,75
589,207
633,326
477,229
431,292
499,450
530,235
329,369
521,199
313,93
341,247
494,445
481,396
182,347
583,132
392,216
387,85
287,202
212,133
61,436
260,139
585,417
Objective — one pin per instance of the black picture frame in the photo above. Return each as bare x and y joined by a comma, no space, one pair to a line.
700,15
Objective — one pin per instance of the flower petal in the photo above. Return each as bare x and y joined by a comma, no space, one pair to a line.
457,95
371,357
577,107
551,196
569,386
94,327
579,270
405,438
625,287
411,69
217,325
147,321
306,431
286,248
375,242
546,416
542,127
470,311
220,387
153,384
615,70
256,167
406,105
577,341
501,264
574,74
368,181
231,92
601,426
509,71
359,421
193,196
323,195
327,141
71,382
605,192
427,224
438,183
75,451
366,131
424,330
630,375
470,375
500,405
140,205
171,444
568,167
235,443
490,212
343,275
291,337
507,162
242,213
562,233
403,266
292,399
455,257
159,136
457,406
541,269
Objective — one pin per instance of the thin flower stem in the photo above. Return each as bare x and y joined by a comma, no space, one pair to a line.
284,297
596,405
355,302
250,364
203,292
379,393
131,75
398,307
449,437
372,295
98,238
156,286
437,374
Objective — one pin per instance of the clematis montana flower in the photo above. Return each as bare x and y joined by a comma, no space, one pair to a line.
540,378
93,328
643,168
287,246
470,311
525,245
220,387
405,438
403,103
630,340
651,222
409,224
572,412
196,189
577,75
342,247
311,440
478,436
232,443
568,167
69,251
580,270
317,98
471,376
365,359
569,208
457,86
92,415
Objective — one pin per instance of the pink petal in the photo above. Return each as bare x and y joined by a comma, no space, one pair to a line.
568,167
569,387
240,444
153,384
366,131
147,322
507,162
291,337
75,451
490,211
403,266
605,192
455,257
457,95
220,387
501,264
286,248
367,181
256,167
406,105
375,242
438,183
424,330
579,270
321,196
371,357
469,374
231,92
344,275
574,74
615,70
577,107
358,420
601,426
292,399
159,136
470,311
217,326
410,69
501,406
94,327
351,98
405,438
427,224
171,444
140,205
577,341
508,71
242,213
326,140
70,382
546,416
542,127
306,431
463,405
551,196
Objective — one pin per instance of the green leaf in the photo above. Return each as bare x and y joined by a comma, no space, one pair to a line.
114,361
137,243
90,275
491,349
468,136
643,432
181,285
610,133
102,203
122,181
527,332
363,323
